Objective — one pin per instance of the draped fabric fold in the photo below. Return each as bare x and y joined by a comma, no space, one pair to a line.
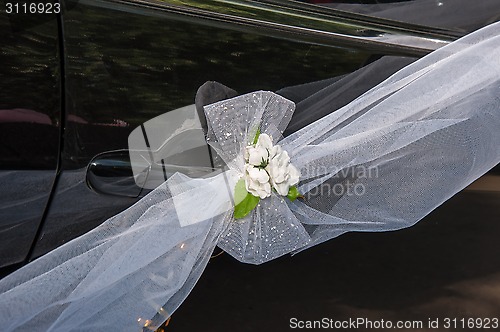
380,163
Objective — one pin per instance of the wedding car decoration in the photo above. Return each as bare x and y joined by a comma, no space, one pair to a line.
267,168
430,130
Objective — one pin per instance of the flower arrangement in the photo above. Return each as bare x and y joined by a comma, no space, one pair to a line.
267,168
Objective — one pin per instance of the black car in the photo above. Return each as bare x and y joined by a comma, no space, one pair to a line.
77,77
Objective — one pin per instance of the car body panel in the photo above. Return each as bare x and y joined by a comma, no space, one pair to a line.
30,113
129,61
126,64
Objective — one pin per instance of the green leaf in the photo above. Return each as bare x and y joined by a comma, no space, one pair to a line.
256,138
293,193
240,191
243,208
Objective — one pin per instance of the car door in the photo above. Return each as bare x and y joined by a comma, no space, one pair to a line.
127,62
30,123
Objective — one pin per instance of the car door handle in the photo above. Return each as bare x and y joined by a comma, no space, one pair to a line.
111,173
169,143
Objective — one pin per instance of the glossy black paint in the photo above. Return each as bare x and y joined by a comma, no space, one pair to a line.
30,112
126,65
446,266
30,92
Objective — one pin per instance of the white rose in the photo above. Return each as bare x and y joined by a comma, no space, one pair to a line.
259,153
256,155
283,174
268,166
257,181
265,141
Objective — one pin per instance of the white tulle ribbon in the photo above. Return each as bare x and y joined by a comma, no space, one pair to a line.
402,149
213,197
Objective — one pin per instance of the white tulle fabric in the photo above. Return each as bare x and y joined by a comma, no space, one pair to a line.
403,148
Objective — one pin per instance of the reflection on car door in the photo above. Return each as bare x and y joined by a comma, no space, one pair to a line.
30,111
